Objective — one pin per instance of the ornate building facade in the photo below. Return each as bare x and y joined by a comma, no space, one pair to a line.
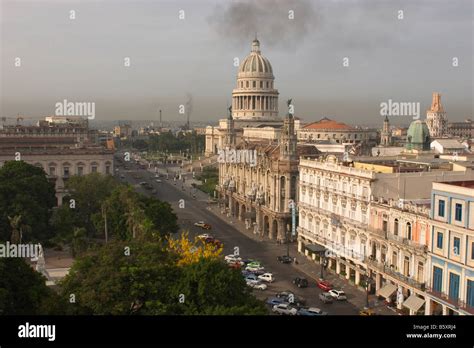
436,118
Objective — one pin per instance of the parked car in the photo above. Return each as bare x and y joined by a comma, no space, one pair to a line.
366,312
285,259
324,285
205,236
256,285
203,225
338,294
254,268
312,311
290,297
325,297
254,263
300,282
267,277
274,301
284,309
251,277
257,272
158,180
143,183
232,258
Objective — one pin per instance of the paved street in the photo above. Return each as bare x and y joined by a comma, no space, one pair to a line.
233,234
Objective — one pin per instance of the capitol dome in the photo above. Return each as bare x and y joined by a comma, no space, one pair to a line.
255,63
255,98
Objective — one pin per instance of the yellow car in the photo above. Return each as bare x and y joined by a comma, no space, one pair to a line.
366,312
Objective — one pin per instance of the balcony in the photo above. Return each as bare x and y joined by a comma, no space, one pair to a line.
455,302
391,272
407,242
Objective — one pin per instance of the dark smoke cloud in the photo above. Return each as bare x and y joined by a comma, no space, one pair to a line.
238,21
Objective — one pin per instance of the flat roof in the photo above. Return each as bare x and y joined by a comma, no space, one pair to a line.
465,183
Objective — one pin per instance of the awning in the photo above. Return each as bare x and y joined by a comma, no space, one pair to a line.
315,248
387,290
414,303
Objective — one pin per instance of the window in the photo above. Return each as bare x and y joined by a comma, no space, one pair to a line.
439,240
458,212
437,279
472,251
395,227
94,169
453,286
107,169
52,170
456,245
254,84
470,293
261,84
441,208
408,230
66,172
80,171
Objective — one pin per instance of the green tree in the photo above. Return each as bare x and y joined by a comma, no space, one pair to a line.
25,191
23,290
149,281
89,192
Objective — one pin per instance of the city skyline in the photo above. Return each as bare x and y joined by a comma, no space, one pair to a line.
193,62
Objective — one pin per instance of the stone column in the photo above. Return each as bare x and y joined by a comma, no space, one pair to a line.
348,272
329,263
427,306
281,232
300,246
338,267
378,281
445,310
357,277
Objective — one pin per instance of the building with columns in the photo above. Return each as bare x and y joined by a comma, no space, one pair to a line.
260,193
436,119
254,104
451,249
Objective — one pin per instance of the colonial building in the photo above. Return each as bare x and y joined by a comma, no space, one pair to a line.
436,118
463,130
260,191
62,146
371,218
451,250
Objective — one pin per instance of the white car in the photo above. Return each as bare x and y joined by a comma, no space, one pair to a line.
232,258
204,236
254,268
267,277
338,294
158,180
284,308
255,284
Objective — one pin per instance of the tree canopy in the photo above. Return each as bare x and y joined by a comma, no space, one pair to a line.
26,200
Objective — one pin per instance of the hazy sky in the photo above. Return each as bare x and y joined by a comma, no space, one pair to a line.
175,59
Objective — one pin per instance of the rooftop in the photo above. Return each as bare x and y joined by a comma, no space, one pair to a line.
326,123
467,183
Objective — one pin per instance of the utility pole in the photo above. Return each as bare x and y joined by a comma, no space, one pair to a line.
161,124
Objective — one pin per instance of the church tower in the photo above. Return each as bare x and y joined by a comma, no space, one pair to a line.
386,136
288,136
436,118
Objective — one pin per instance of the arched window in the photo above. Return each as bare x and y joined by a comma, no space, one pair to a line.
408,230
395,227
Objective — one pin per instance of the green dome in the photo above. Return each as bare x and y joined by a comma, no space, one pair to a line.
418,136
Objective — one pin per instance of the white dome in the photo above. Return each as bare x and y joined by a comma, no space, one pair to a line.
255,63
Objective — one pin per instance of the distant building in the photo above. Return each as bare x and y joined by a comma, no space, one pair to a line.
463,130
123,131
436,118
448,146
418,137
386,135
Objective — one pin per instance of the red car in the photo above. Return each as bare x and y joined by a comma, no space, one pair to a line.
324,285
